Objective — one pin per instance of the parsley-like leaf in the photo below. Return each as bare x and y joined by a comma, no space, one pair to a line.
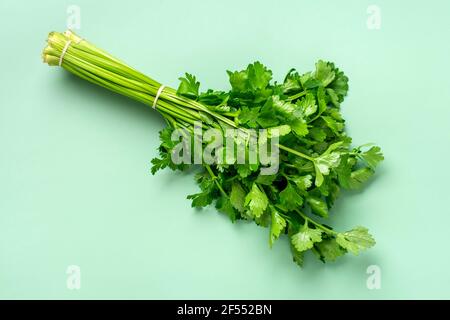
308,104
305,238
237,196
372,157
256,201
329,249
318,206
323,164
290,198
355,240
188,87
303,182
278,223
324,72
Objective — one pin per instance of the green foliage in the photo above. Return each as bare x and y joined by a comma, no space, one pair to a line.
355,240
278,224
305,238
289,198
316,162
188,87
256,202
303,112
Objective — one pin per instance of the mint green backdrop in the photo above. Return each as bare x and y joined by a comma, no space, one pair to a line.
75,186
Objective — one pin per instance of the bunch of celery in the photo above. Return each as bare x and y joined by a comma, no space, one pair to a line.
316,159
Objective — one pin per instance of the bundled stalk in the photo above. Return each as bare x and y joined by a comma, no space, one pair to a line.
300,119
97,66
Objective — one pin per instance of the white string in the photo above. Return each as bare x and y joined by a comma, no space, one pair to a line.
157,96
63,53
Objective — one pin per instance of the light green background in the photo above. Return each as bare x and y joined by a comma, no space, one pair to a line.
75,186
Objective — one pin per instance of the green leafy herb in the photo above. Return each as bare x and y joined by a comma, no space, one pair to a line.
189,86
355,240
278,224
303,114
256,201
305,238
